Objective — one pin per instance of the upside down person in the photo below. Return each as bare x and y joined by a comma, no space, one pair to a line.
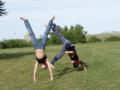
41,58
68,48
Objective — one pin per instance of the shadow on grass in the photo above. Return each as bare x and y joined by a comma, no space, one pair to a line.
67,70
61,72
8,56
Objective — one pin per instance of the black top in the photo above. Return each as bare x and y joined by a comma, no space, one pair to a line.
41,60
74,55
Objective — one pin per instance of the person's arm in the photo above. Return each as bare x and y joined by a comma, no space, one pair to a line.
50,69
35,71
68,52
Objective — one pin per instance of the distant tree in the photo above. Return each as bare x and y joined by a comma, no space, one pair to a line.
53,40
2,10
75,34
65,28
71,27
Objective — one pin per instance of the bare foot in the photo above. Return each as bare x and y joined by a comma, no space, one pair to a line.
84,68
53,18
22,18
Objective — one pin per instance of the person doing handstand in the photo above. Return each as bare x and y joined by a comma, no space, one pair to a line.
39,48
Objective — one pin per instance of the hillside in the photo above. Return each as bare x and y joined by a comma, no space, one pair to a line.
104,35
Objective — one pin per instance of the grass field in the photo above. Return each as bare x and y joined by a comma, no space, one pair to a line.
16,66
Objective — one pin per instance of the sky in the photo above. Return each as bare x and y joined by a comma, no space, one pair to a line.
96,16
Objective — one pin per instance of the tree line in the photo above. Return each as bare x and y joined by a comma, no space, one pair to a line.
75,34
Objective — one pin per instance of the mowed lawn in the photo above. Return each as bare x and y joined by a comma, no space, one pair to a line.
16,67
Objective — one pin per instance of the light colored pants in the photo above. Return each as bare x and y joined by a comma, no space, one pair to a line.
43,42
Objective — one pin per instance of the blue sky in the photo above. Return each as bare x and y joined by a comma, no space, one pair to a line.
95,15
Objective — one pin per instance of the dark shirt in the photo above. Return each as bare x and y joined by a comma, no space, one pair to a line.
41,60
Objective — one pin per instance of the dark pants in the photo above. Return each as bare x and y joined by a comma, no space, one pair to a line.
61,53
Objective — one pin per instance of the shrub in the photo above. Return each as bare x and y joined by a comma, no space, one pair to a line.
113,38
1,45
15,43
94,39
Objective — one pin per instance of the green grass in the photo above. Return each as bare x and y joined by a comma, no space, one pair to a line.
16,66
